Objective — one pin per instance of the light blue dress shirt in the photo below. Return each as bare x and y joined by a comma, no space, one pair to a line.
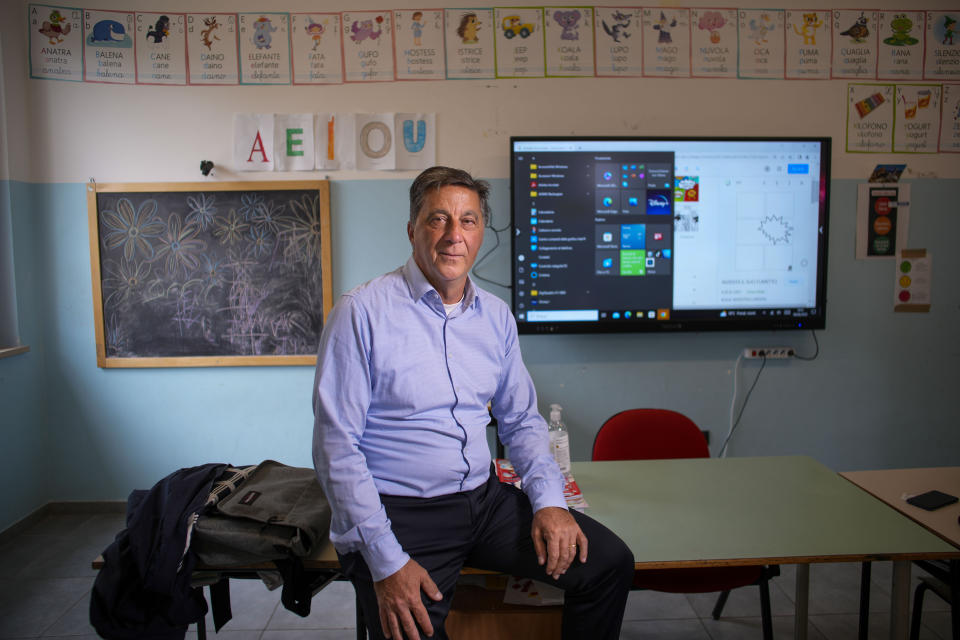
400,407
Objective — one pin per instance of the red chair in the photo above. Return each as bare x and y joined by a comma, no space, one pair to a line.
654,434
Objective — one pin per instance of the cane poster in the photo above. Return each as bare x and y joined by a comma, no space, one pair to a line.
161,48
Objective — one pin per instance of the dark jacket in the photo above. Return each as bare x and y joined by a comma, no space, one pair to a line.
143,590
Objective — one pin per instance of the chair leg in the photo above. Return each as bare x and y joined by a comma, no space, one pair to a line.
766,616
721,601
917,610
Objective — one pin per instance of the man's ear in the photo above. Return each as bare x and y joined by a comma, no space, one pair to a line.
410,232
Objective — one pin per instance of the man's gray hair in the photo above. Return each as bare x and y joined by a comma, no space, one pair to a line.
437,177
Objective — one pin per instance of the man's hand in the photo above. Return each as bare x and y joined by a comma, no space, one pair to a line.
398,596
556,537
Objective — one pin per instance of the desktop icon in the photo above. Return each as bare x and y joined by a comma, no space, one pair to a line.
607,175
533,274
533,265
657,235
608,201
651,314
607,236
633,201
534,292
663,314
608,263
533,194
533,167
533,247
666,253
616,315
533,221
627,314
522,257
533,239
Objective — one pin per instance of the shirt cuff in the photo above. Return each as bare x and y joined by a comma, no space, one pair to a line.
545,494
384,557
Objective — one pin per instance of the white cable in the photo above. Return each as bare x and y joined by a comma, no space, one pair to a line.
733,404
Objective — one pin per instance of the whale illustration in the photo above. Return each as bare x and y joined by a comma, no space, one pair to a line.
108,31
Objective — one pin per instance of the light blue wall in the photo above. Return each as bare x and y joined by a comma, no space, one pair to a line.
881,394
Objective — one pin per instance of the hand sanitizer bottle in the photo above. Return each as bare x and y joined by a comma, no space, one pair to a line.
559,439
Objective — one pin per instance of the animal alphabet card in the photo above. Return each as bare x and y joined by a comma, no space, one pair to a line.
619,41
808,44
854,44
108,47
469,43
368,45
161,47
569,41
56,43
264,48
761,43
212,48
900,50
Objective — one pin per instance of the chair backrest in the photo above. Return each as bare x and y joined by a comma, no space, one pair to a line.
649,434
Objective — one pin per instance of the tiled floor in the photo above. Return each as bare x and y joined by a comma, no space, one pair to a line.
45,581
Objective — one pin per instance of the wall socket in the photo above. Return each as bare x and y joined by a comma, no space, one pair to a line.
770,353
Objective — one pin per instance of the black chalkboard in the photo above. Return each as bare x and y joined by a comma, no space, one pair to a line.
209,274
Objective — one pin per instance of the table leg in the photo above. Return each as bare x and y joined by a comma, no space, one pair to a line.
900,601
802,602
864,629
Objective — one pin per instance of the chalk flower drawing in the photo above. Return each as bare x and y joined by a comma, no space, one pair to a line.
268,216
305,230
249,203
124,279
180,248
230,228
261,242
202,210
132,228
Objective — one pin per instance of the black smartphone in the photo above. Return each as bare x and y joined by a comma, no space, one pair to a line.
932,500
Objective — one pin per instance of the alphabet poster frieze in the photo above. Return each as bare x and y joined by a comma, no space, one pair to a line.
519,42
470,43
161,48
418,43
870,116
855,44
666,42
917,127
950,119
264,48
808,44
943,46
315,48
713,38
761,43
569,41
212,48
619,41
368,46
108,47
56,43
900,50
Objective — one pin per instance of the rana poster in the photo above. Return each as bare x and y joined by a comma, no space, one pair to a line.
900,50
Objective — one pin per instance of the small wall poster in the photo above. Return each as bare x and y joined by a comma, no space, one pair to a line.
418,134
943,46
713,43
315,48
569,41
913,276
469,43
56,43
367,46
264,48
950,119
870,113
666,42
519,42
293,142
418,40
917,118
900,50
761,43
212,48
253,141
883,218
855,44
375,141
808,44
619,41
161,48
336,133
108,47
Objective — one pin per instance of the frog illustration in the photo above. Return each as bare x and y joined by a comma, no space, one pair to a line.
901,26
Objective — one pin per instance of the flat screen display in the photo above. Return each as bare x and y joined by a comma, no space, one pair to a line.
668,234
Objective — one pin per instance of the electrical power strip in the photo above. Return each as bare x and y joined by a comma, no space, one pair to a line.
770,353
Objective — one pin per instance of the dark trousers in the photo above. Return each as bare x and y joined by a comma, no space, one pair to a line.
489,528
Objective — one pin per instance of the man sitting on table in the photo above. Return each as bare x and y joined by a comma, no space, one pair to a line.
407,365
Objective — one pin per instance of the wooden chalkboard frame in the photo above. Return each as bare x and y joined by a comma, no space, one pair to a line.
254,191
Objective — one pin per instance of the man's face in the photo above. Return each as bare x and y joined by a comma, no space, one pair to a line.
446,238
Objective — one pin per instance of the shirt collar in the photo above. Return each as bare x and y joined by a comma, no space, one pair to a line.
420,286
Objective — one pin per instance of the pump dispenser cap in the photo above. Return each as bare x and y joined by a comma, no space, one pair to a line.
555,410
